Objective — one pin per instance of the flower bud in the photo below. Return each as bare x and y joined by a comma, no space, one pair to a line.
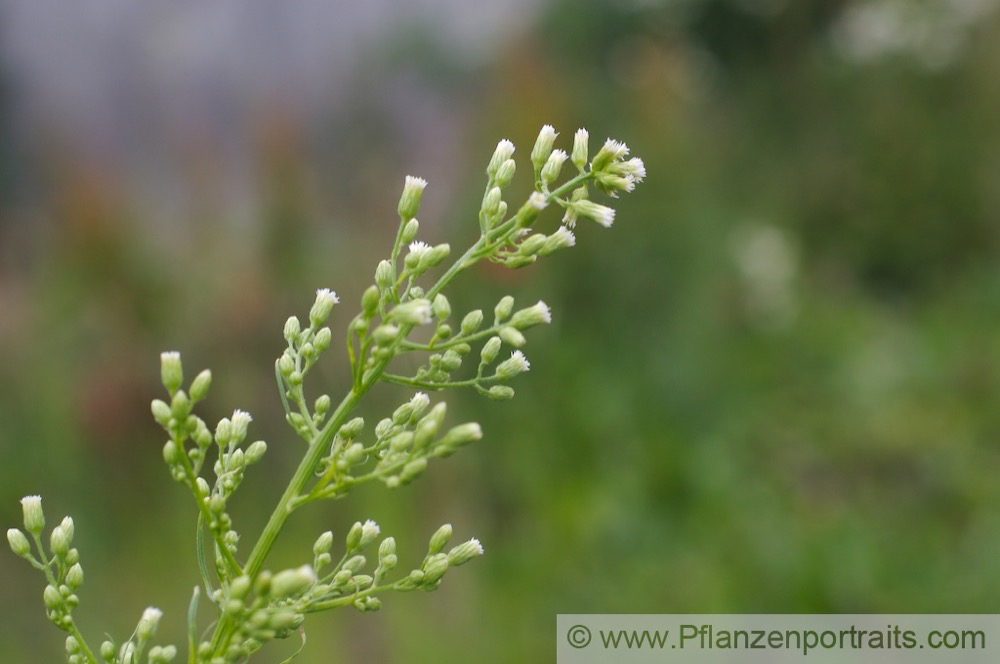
52,598
410,231
513,366
503,308
441,307
241,420
532,245
200,385
323,543
428,426
323,339
463,434
439,539
414,312
369,301
528,213
18,543
434,568
500,392
148,623
385,334
472,321
581,142
553,165
355,564
465,552
490,350
180,406
512,336
409,201
34,518
532,316
321,308
504,151
387,548
384,275
491,201
292,582
434,257
240,586
292,329
171,373
412,470
161,412
505,174
74,577
107,651
59,542
543,146
561,239
353,428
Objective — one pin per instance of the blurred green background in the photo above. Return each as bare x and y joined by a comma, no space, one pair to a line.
773,386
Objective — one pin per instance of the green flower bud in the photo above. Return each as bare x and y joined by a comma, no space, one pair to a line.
352,429
409,201
387,548
240,586
240,422
385,334
441,307
491,201
490,350
323,543
72,645
413,470
528,212
463,434
255,452
354,454
34,518
434,568
505,174
439,539
369,301
58,542
286,364
18,543
200,385
409,232
355,564
532,245
52,598
500,392
503,153
107,651
72,557
322,306
428,426
553,165
512,336
180,406
434,257
561,239
465,552
414,312
536,315
323,339
284,619
472,321
161,412
262,586
74,577
451,360
401,441
513,366
384,275
292,329
171,372
543,146
503,308
148,624
361,535
581,142
292,582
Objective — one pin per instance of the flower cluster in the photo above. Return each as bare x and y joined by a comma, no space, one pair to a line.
404,312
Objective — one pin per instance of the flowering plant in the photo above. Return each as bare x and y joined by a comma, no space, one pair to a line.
251,605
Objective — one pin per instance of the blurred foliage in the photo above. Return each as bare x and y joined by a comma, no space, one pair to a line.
772,387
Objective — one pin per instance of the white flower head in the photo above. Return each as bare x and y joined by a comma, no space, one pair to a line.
504,151
519,358
581,145
537,200
240,422
419,249
617,149
602,214
420,400
562,238
369,531
414,184
321,308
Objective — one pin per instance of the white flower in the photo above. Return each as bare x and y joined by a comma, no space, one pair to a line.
369,531
420,400
327,295
581,141
321,308
516,364
561,239
535,315
537,200
419,249
240,421
617,149
602,214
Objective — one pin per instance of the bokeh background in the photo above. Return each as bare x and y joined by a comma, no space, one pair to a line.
773,386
